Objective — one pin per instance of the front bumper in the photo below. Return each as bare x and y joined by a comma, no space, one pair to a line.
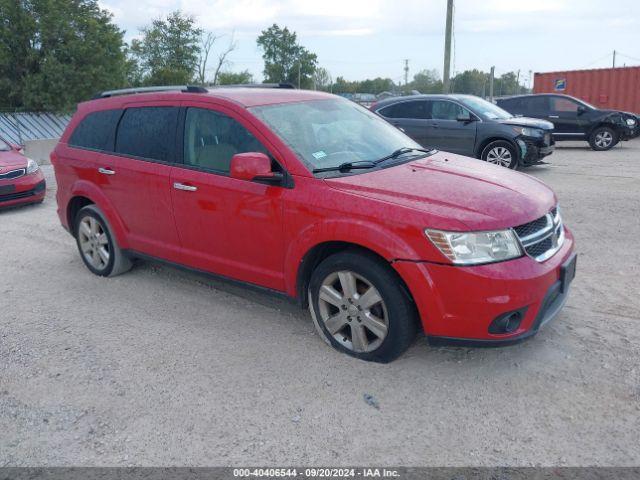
23,190
534,149
458,304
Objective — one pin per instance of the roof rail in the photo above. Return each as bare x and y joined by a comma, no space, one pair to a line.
257,85
130,91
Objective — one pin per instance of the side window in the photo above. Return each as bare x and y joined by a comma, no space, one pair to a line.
416,109
559,104
538,105
445,110
148,132
95,131
212,138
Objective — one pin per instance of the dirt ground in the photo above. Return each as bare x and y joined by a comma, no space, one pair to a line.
161,367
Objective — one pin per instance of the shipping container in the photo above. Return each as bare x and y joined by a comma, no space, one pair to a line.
606,88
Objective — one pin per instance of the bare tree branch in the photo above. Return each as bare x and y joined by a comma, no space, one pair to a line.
205,47
222,58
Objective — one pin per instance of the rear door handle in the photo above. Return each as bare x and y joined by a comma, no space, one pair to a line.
554,116
186,188
106,171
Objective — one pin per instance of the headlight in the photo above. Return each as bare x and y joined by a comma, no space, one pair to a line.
32,166
470,248
631,122
529,132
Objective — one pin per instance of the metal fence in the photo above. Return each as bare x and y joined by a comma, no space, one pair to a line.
19,127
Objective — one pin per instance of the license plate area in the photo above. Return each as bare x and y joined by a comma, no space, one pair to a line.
568,273
7,189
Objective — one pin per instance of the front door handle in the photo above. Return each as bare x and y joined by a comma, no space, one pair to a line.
106,171
186,188
554,116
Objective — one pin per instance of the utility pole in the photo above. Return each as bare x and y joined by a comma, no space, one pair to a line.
491,75
406,72
298,74
614,59
517,83
447,47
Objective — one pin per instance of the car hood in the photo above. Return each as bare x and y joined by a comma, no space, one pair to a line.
12,158
527,122
448,187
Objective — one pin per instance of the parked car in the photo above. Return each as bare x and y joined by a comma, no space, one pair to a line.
575,119
318,199
470,126
21,180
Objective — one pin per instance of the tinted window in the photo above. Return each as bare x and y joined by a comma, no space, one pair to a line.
537,104
559,104
95,131
148,132
212,138
444,110
414,109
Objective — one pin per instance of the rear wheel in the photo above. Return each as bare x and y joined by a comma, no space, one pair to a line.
502,153
603,138
359,307
96,244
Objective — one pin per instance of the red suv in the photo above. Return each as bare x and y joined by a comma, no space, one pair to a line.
314,197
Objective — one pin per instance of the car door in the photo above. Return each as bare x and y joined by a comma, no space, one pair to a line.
536,107
411,117
227,226
566,117
140,167
448,133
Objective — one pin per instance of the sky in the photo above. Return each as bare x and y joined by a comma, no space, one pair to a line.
359,39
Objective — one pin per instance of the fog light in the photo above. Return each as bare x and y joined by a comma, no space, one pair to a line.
507,322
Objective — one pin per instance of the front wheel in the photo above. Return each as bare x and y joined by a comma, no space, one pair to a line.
360,308
502,153
603,138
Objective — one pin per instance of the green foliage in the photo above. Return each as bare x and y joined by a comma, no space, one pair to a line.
376,85
235,78
55,53
426,81
284,59
168,52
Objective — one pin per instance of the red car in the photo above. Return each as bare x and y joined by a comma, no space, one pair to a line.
316,198
21,180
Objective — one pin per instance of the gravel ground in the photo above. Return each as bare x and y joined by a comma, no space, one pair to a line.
161,367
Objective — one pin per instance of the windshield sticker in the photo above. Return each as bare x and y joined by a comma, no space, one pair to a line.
319,155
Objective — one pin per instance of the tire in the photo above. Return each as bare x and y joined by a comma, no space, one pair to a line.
96,244
603,138
502,153
380,310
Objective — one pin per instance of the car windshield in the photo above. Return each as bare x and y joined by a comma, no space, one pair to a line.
4,147
486,109
329,133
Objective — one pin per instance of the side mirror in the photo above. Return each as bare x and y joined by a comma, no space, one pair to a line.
581,109
254,167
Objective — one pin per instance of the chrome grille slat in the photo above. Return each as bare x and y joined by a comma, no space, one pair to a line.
543,237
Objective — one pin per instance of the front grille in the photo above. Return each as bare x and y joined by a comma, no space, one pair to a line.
12,174
543,237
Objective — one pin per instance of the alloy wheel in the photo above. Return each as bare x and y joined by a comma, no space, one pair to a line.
500,156
94,243
603,139
353,311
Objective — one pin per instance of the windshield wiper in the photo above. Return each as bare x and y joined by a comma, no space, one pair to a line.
343,167
400,151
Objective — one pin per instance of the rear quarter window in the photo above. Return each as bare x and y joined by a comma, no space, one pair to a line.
95,131
148,132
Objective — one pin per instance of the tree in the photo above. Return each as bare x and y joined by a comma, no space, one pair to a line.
473,82
284,59
426,81
207,41
223,60
322,79
169,52
234,78
55,53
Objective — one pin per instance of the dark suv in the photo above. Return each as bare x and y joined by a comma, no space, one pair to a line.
575,119
470,126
